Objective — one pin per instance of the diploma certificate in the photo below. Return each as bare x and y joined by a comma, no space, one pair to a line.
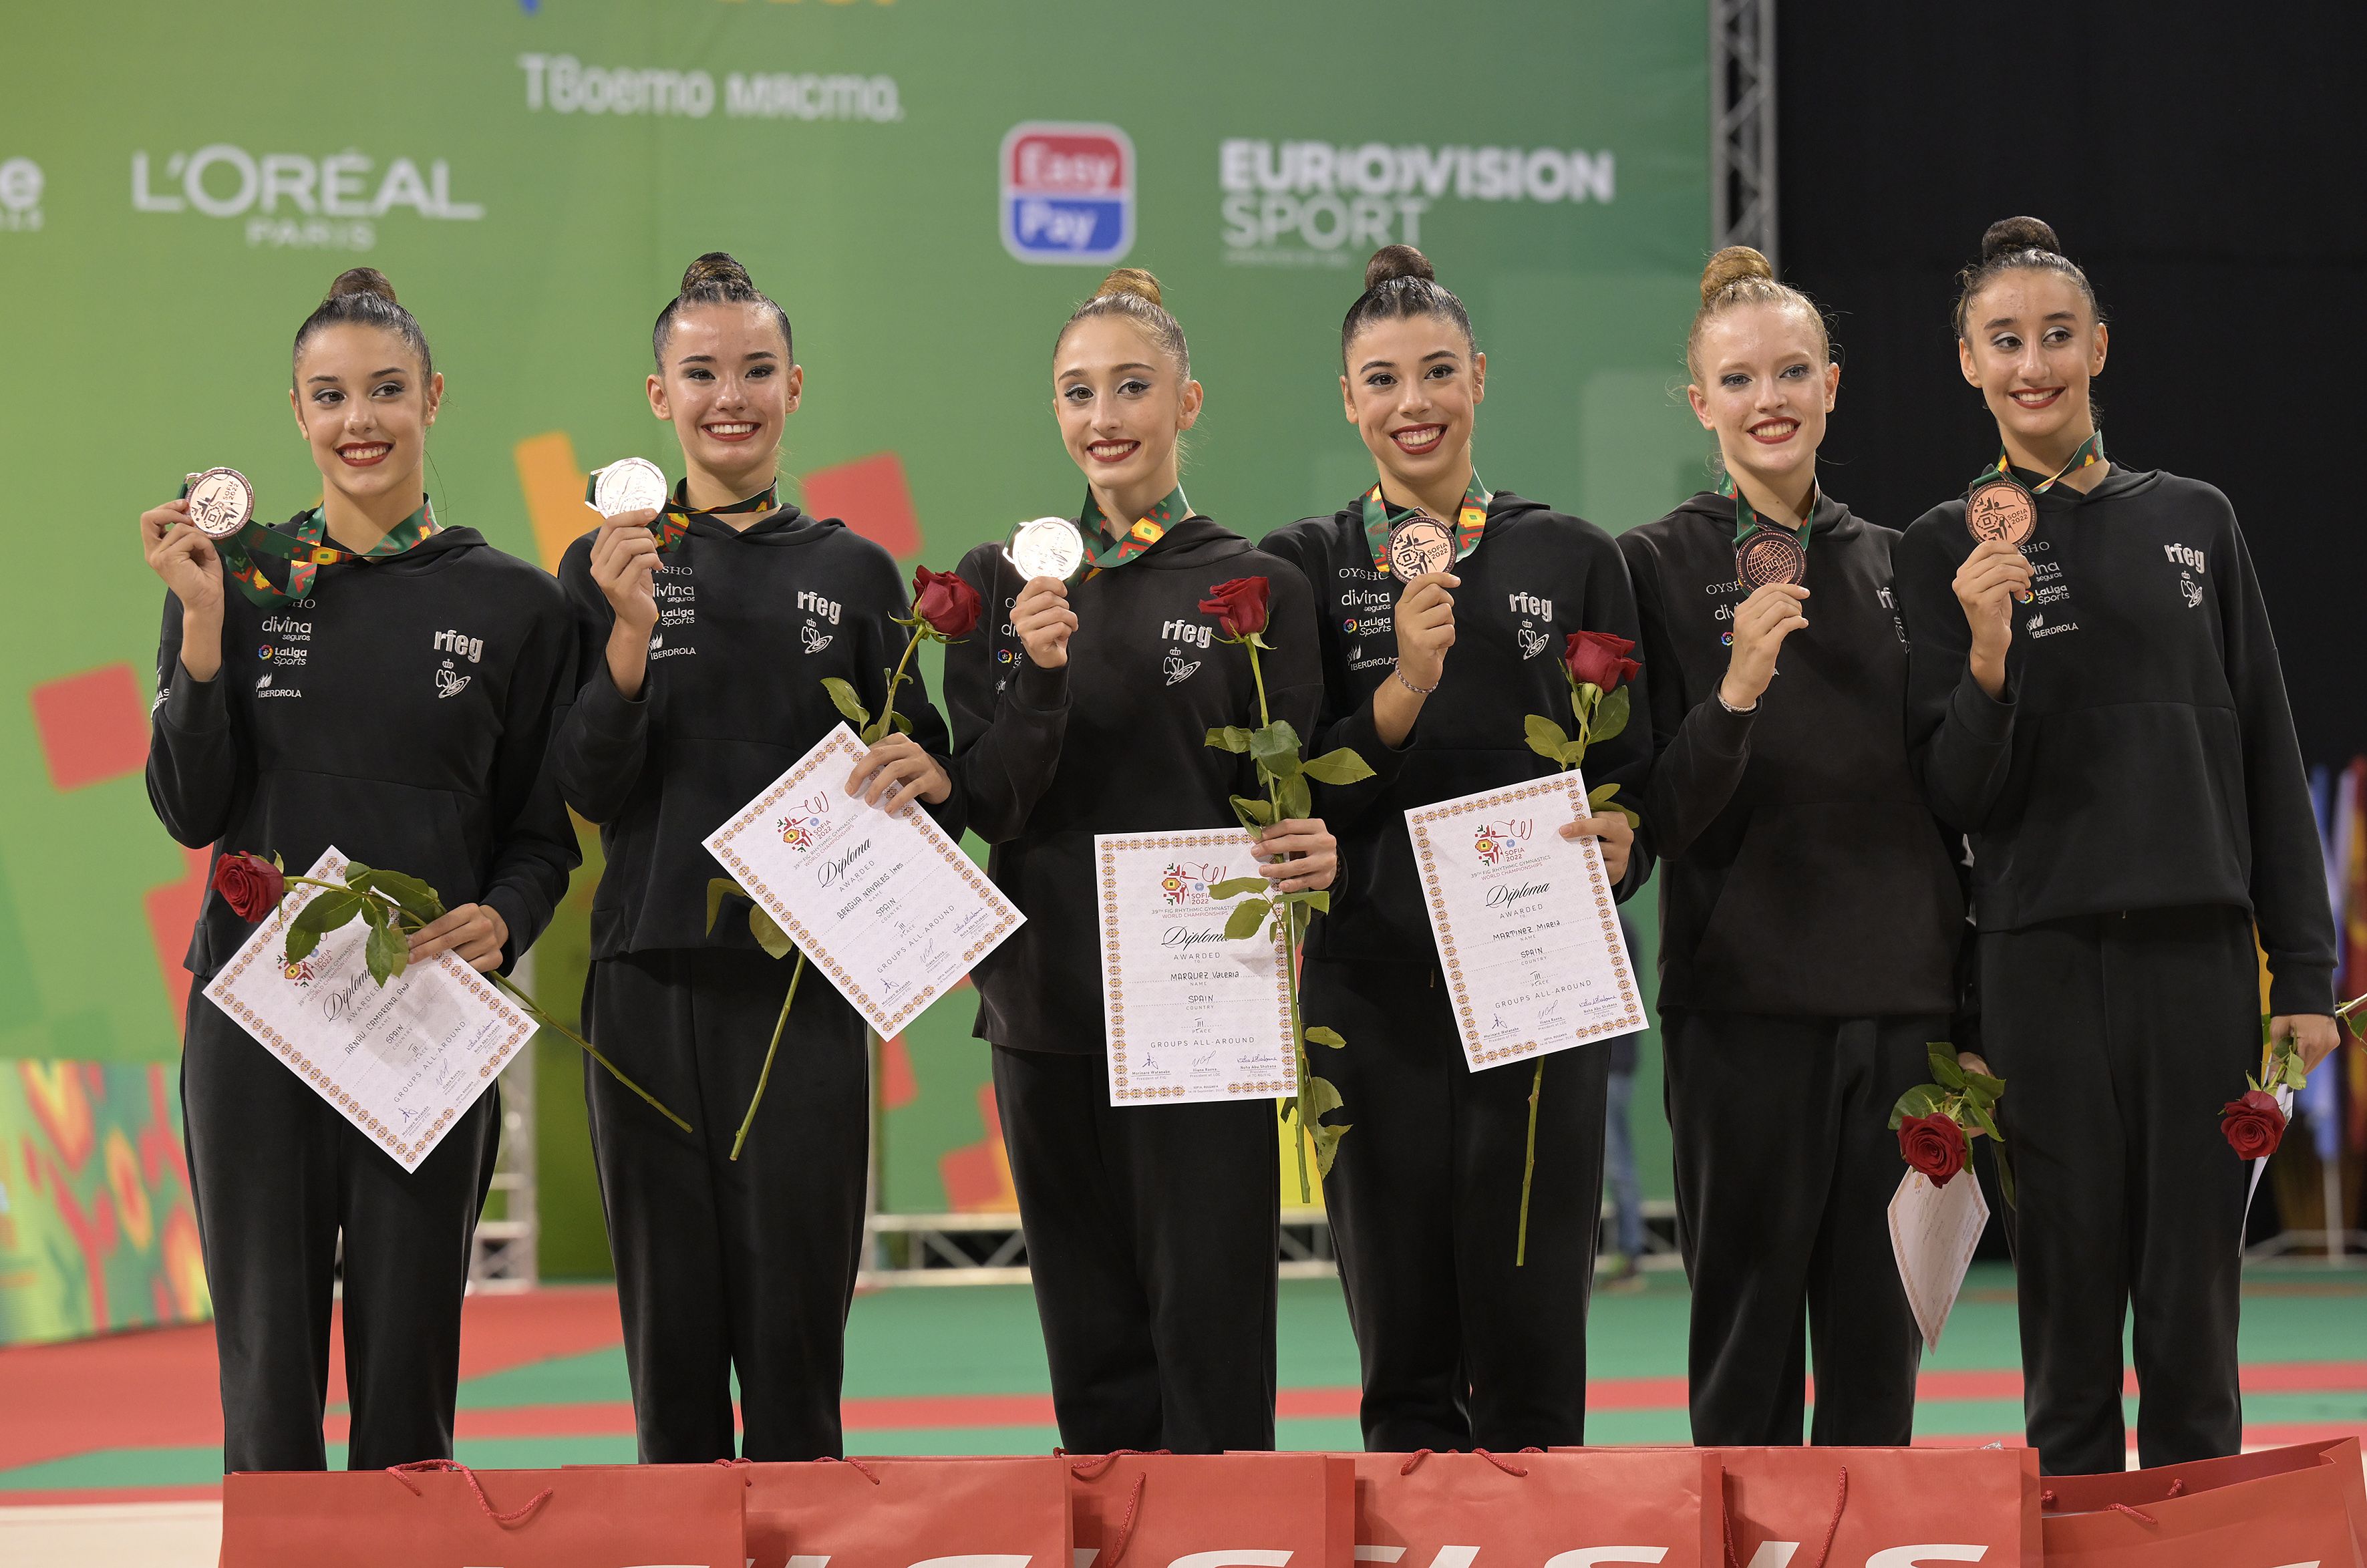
1527,933
400,1062
881,901
1191,1015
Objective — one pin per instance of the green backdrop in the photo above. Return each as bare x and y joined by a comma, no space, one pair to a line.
178,184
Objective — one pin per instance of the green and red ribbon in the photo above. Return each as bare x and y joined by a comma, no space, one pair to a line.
305,553
1470,520
1106,550
674,517
1747,521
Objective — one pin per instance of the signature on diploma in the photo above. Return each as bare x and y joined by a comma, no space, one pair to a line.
342,1003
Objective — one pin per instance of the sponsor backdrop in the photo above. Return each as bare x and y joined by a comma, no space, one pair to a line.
928,186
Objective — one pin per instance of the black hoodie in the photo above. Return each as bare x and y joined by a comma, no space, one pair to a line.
1536,576
2143,755
1115,742
749,623
1801,872
401,712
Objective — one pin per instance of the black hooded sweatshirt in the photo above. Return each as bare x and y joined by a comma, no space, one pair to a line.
1801,872
749,623
403,711
2143,755
1536,576
1115,742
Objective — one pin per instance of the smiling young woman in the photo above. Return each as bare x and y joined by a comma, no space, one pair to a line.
707,631
1083,709
1460,1347
2094,700
1810,912
328,705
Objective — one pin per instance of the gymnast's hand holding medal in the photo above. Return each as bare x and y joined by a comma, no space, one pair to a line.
1045,552
1770,561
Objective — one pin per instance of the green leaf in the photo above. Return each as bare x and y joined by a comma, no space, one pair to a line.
327,912
903,724
1993,1089
1943,1064
2005,1174
1310,899
1297,801
718,889
1924,1099
872,734
842,697
386,953
768,935
1234,887
1982,1118
374,914
301,944
1610,717
1276,748
1633,820
1326,1145
1321,1095
1254,814
1546,738
1246,918
356,875
415,897
1599,796
1232,737
1319,1034
1341,766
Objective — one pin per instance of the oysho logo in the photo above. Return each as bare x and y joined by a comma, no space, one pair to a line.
292,200
20,195
1068,192
461,643
1295,203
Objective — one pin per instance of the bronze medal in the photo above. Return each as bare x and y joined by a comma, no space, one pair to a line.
220,501
1419,543
2000,509
1770,555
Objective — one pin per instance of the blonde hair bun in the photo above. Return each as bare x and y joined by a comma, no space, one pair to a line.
1131,280
1730,267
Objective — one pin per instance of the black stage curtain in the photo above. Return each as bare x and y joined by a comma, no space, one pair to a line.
2203,162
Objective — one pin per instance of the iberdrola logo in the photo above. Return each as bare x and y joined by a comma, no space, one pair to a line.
1498,843
1188,884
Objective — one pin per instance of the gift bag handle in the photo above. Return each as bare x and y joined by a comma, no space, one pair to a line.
1089,1467
1840,1501
2048,1499
404,1472
1502,1463
857,1466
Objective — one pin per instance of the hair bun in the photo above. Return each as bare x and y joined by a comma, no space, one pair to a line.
363,280
1730,267
1398,261
2009,234
1131,280
715,266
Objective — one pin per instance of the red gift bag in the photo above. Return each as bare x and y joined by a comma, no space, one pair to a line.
1213,1510
441,1514
906,1513
1529,1510
2296,1508
1877,1507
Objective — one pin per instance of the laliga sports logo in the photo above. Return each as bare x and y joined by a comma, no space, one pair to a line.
801,829
1068,193
1500,843
1189,884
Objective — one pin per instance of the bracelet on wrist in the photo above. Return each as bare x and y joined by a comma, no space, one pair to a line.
1749,707
1396,673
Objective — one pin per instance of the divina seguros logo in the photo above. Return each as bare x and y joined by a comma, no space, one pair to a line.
1068,193
293,200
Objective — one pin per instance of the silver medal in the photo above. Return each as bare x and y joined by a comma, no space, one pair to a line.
1048,546
220,501
628,484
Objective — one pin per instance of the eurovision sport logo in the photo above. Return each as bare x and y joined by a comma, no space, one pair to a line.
1068,193
1189,884
801,829
1501,843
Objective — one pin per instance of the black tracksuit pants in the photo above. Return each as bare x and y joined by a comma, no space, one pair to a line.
1786,1166
278,1175
2119,1038
1152,1233
727,1266
1460,1348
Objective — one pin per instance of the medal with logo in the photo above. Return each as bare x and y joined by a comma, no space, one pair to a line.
1767,552
1046,547
1999,508
221,506
637,485
1410,542
1116,550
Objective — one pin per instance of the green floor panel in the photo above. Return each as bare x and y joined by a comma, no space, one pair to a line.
119,1467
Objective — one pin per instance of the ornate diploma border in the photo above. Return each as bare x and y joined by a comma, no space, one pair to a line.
1112,970
1570,786
410,1152
841,745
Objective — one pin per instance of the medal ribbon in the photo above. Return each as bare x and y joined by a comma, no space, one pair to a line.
1470,520
305,553
1747,521
1148,531
674,517
2090,452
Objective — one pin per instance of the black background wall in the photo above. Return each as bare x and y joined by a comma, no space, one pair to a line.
2207,165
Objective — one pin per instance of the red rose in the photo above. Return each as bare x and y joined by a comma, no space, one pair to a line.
251,885
945,600
1933,1144
1598,659
1239,604
2253,1124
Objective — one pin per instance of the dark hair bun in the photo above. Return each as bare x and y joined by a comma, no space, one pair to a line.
1131,280
1730,267
363,280
1398,261
715,267
2007,235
